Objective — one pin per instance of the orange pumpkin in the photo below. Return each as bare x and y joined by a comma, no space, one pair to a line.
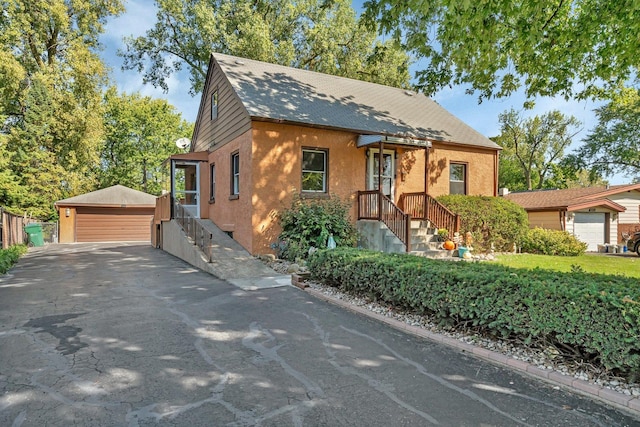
449,245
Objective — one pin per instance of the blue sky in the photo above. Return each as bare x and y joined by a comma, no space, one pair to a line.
140,16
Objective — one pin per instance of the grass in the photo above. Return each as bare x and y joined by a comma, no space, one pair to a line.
628,266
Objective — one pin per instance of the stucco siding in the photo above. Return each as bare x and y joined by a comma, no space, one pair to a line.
233,214
232,121
277,172
549,220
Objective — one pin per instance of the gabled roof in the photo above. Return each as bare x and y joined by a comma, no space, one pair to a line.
284,94
115,196
571,198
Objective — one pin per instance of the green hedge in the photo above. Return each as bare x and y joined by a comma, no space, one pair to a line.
491,220
10,256
552,242
593,317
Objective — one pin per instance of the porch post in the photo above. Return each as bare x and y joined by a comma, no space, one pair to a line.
426,180
380,159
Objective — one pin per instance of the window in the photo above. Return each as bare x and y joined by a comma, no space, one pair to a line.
457,178
314,171
235,174
214,105
212,182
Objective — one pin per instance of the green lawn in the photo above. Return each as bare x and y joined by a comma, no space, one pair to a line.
592,263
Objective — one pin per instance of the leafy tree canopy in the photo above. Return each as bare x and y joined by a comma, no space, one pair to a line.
533,147
51,79
574,48
613,146
140,133
317,35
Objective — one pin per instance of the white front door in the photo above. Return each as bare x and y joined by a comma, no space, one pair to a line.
388,171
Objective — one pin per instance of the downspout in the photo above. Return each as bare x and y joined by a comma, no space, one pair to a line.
426,182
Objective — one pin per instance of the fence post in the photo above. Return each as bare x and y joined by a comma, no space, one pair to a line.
407,232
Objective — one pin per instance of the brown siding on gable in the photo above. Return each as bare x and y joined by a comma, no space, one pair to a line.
549,220
113,224
233,119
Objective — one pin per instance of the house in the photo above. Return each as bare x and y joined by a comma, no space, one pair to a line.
266,132
595,215
112,214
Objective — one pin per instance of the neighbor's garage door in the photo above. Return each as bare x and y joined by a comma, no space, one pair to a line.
589,228
113,224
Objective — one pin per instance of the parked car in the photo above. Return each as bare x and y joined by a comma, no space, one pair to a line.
633,244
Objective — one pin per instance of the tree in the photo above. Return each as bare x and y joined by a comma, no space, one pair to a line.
51,80
559,47
316,35
536,144
140,134
613,146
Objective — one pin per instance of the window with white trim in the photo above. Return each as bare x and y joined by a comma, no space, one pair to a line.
457,178
314,170
214,105
235,174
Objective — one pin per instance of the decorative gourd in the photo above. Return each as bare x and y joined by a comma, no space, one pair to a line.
449,245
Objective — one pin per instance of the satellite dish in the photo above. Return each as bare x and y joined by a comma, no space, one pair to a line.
183,143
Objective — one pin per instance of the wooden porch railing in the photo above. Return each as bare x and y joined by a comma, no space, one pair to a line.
375,205
424,207
163,208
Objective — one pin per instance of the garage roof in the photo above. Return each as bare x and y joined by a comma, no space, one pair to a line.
571,198
115,196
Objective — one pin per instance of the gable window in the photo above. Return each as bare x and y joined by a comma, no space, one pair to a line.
314,170
457,178
212,182
214,105
235,174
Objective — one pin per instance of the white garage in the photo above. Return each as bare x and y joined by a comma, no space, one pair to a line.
589,227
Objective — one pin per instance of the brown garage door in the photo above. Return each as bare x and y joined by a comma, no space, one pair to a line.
113,224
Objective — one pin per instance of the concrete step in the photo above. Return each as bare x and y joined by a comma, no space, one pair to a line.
426,246
434,254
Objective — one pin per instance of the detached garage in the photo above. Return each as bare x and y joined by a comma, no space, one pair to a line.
113,214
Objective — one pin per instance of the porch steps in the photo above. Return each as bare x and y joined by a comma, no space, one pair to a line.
425,242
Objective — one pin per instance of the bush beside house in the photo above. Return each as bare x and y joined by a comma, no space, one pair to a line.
493,221
310,223
552,242
589,317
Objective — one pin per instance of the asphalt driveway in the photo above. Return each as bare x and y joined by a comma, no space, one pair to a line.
117,335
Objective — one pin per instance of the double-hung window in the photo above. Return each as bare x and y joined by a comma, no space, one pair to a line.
214,105
314,170
235,174
457,178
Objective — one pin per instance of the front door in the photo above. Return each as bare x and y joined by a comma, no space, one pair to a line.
388,171
185,185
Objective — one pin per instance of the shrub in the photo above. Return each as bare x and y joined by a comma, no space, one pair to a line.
10,256
592,317
491,220
309,223
552,242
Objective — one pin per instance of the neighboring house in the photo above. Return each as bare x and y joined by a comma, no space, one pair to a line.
595,215
266,132
112,214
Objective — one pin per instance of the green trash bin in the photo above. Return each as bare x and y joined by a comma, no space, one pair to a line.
34,231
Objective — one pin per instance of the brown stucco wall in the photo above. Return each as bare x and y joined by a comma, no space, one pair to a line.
277,172
232,215
67,225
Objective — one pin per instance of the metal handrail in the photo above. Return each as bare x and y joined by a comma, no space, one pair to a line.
194,230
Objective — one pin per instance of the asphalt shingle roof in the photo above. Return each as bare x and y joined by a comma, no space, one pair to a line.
276,92
116,195
544,199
